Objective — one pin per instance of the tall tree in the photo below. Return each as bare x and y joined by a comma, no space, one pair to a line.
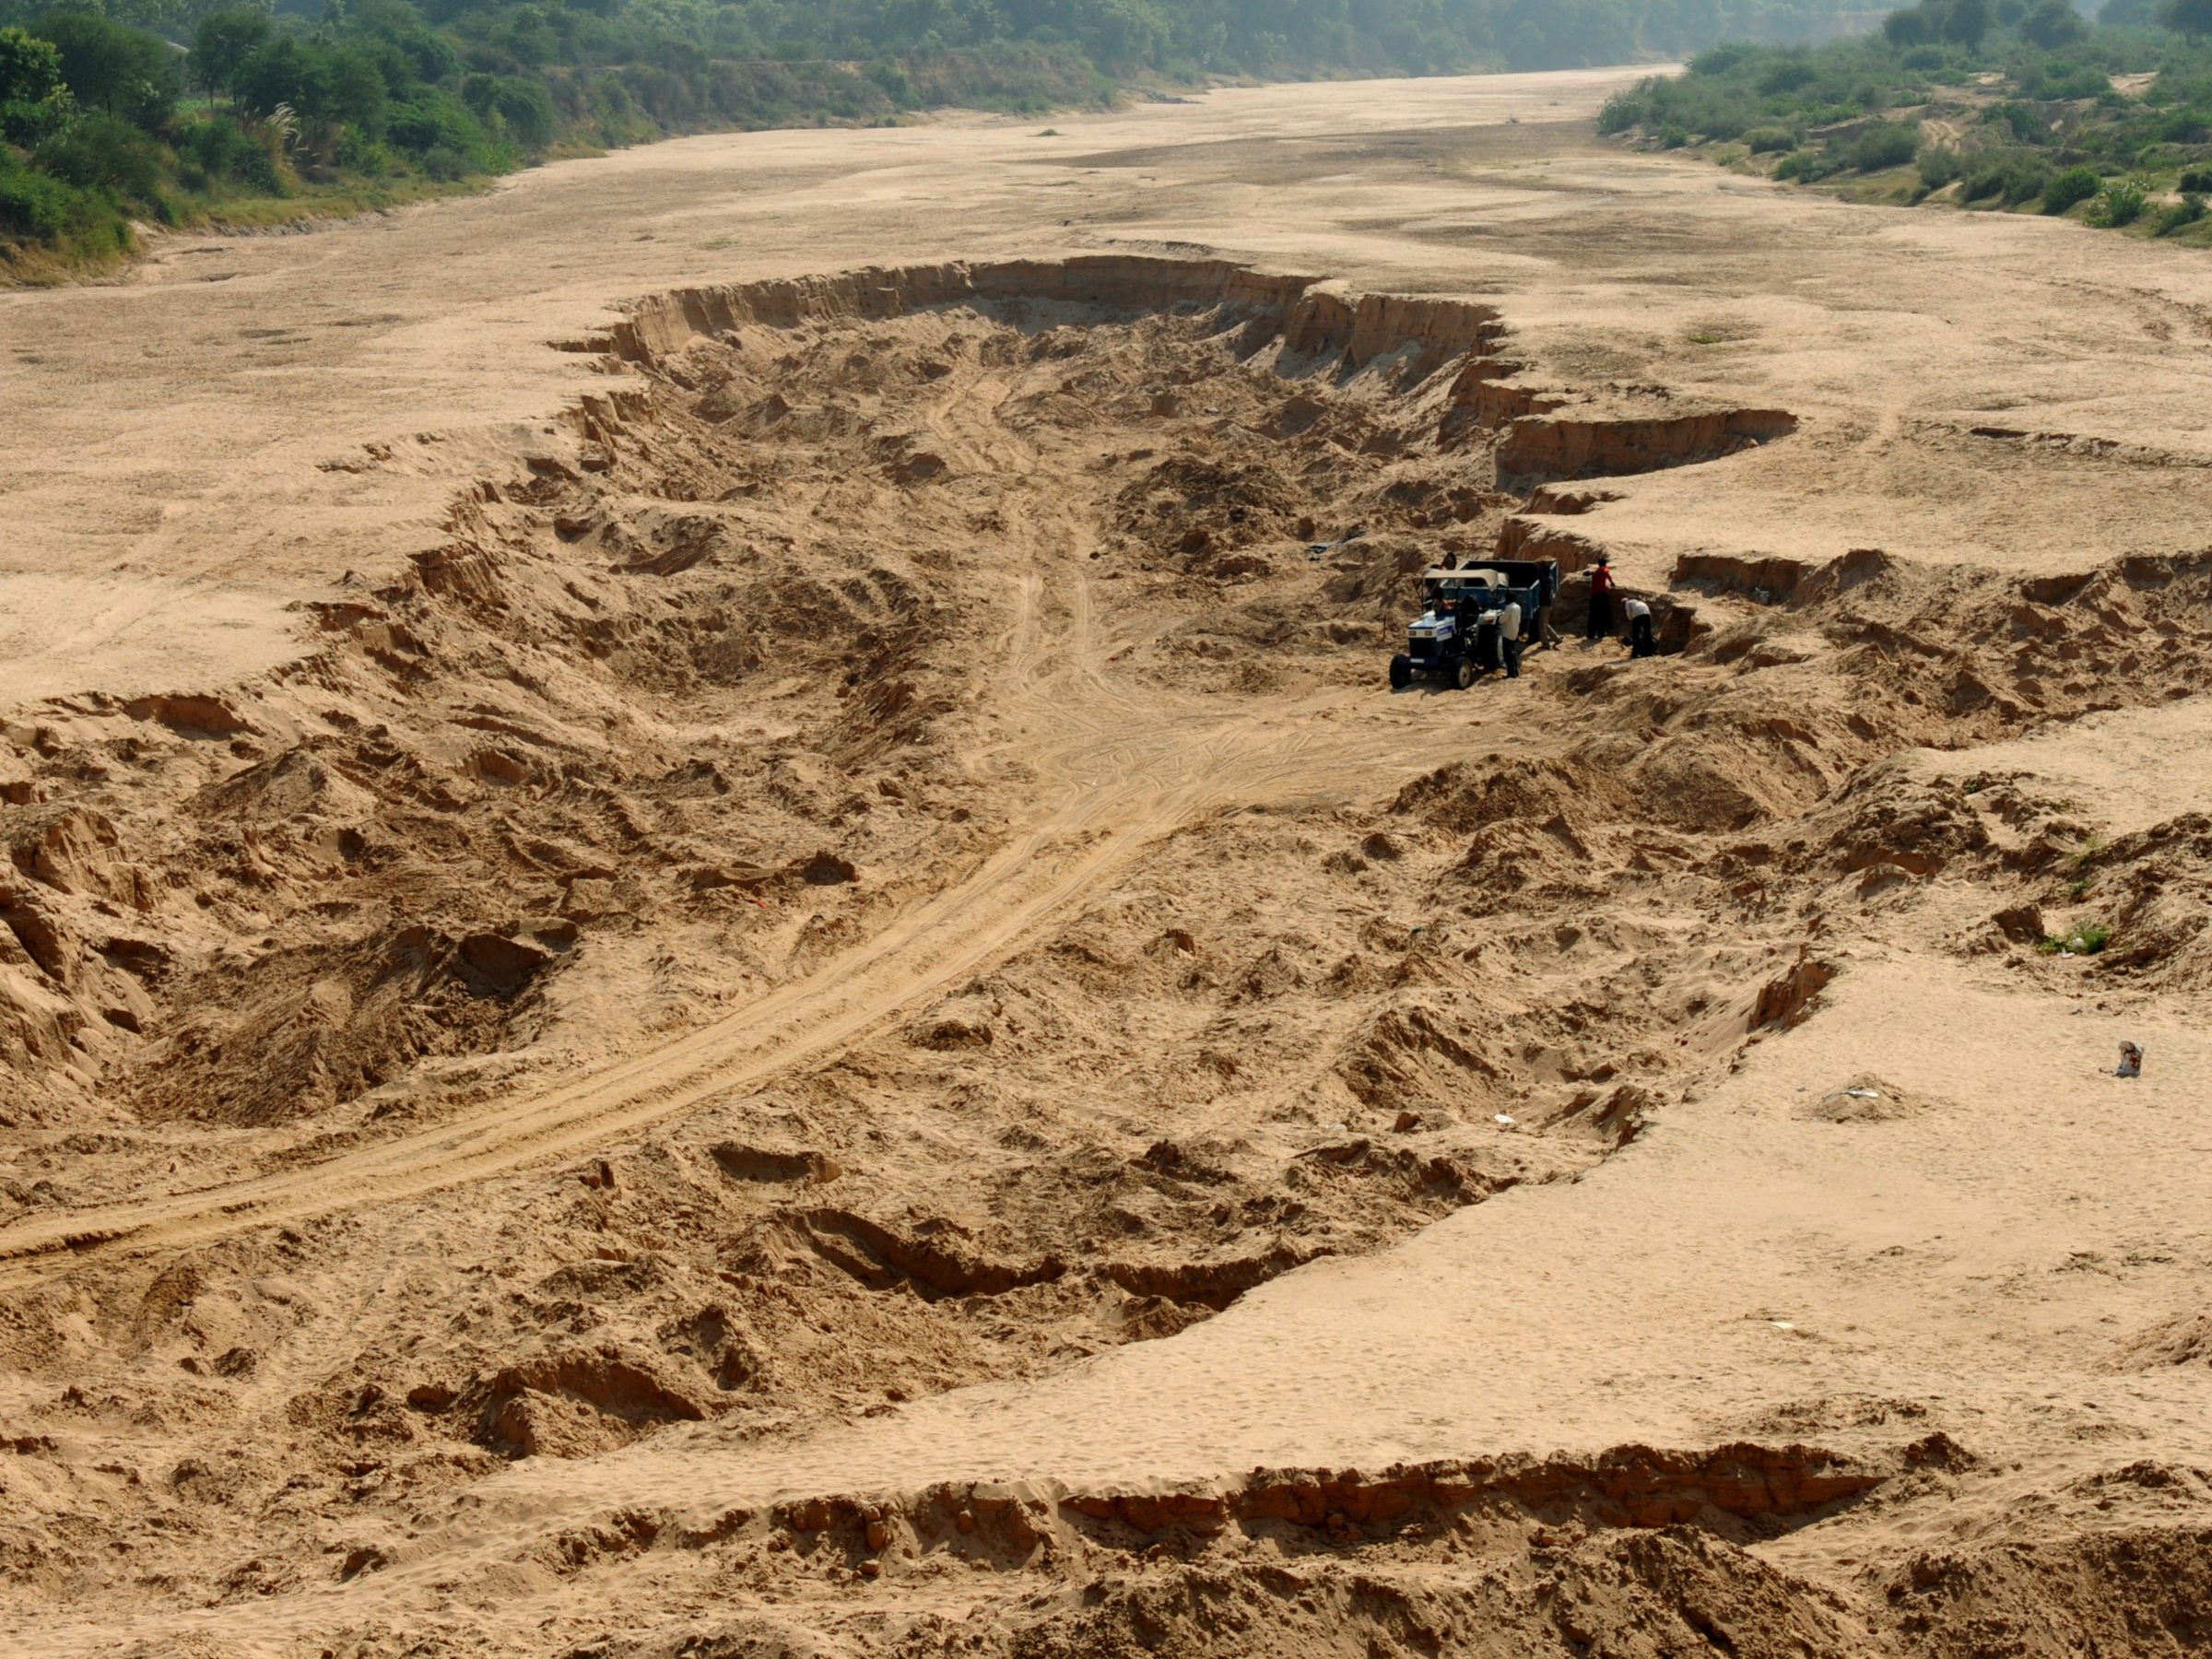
221,45
112,67
2192,17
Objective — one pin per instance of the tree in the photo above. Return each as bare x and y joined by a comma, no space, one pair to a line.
30,70
2053,24
2192,17
34,102
113,67
1906,27
283,71
221,44
1965,22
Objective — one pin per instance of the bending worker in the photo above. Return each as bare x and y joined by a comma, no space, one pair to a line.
1642,640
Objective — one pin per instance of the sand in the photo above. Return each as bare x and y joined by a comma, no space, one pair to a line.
719,940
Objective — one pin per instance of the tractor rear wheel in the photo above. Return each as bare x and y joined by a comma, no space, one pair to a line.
1401,672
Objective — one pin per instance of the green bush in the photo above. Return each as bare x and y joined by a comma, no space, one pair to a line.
2084,938
445,164
44,211
1940,165
2023,123
103,153
2007,178
1621,111
1804,166
2119,204
30,68
2188,211
1769,141
436,122
1886,144
221,149
2074,186
24,124
515,105
108,67
2197,180
2053,24
33,204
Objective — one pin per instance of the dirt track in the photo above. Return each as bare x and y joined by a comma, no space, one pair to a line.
703,963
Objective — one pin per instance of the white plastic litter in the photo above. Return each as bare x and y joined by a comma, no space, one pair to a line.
1864,1094
1504,1118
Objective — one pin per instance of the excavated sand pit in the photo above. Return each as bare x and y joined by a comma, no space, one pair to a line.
875,858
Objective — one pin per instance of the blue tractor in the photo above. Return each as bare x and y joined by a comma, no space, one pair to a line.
1477,620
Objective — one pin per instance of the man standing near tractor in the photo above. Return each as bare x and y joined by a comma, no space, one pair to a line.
1600,599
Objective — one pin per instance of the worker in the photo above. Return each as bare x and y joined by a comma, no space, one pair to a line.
1642,641
1509,639
1601,598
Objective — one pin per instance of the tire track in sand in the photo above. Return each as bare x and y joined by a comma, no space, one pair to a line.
1118,786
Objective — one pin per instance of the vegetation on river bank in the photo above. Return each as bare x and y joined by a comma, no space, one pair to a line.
116,114
1984,106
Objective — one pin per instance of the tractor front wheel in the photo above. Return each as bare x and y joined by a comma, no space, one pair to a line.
1463,673
1401,672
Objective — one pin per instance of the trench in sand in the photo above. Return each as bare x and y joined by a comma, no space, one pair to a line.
888,796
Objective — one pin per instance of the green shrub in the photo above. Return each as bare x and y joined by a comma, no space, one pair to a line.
2188,211
30,67
2119,204
33,204
445,164
2053,24
220,148
2196,180
1940,165
372,158
1769,141
2084,938
438,121
514,105
1673,137
106,153
2023,122
111,67
26,125
2074,186
1791,75
1886,144
2009,179
1621,111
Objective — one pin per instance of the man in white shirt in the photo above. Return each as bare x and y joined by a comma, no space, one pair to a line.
1642,641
